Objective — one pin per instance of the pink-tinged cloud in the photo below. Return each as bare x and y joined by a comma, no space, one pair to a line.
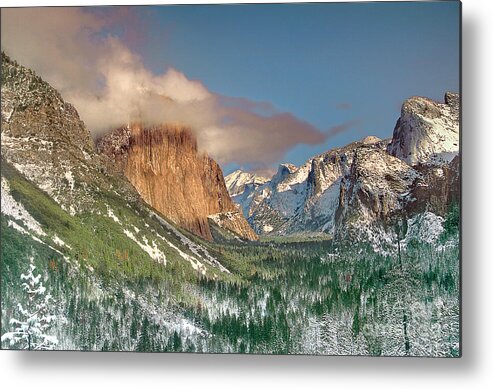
341,128
343,106
109,85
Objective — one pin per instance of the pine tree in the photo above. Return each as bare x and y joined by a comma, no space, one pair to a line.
30,330
144,343
177,344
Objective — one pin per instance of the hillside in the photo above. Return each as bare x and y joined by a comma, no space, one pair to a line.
126,274
362,187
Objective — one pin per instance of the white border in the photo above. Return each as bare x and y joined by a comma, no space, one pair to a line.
474,370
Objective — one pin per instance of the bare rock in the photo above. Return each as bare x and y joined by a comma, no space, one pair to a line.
427,131
165,166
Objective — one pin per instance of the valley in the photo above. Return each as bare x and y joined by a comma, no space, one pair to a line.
138,241
279,296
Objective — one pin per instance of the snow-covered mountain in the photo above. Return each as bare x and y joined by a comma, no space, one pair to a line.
241,185
239,180
427,131
298,200
362,185
49,161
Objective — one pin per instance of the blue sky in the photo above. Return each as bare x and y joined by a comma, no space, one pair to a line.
335,68
325,63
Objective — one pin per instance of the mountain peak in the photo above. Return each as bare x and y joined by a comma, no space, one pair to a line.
370,139
427,131
284,170
289,166
237,181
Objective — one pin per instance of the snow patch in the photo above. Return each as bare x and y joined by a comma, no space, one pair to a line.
152,250
196,264
12,208
112,215
22,230
69,176
426,227
198,251
60,242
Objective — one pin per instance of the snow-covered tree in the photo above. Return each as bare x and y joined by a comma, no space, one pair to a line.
34,320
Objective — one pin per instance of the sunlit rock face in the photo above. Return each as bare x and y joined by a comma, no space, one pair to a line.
427,131
165,166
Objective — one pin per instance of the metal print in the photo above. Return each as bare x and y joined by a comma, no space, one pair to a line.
265,179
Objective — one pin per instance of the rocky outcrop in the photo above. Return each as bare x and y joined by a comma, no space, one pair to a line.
437,188
301,200
364,186
376,186
31,108
115,146
427,132
44,138
419,172
165,166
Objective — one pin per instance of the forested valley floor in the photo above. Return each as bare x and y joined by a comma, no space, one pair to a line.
283,297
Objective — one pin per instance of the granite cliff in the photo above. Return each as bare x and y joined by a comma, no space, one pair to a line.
360,189
171,174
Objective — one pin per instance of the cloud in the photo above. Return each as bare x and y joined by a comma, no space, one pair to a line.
341,128
109,85
261,107
56,42
264,171
343,106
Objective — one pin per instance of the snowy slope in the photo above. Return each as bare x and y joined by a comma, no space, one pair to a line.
44,142
237,181
299,200
427,131
241,187
364,183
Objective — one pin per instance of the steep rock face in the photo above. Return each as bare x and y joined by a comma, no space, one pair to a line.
299,200
418,173
164,165
382,191
115,146
427,131
376,186
44,138
361,188
436,190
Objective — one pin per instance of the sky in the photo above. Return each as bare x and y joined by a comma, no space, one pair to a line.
260,84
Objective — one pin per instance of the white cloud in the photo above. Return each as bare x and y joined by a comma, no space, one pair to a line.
110,86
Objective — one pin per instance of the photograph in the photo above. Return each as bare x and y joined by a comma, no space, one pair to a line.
273,179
